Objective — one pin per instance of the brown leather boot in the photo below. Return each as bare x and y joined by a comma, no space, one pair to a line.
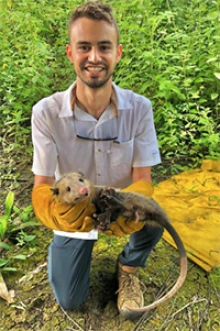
129,293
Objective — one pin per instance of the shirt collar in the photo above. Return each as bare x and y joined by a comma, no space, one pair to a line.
121,100
66,110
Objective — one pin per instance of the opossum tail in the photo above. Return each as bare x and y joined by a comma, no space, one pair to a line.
181,278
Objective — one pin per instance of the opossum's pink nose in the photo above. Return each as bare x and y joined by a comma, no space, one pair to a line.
84,191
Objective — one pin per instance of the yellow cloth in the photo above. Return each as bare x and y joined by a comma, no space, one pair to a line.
192,202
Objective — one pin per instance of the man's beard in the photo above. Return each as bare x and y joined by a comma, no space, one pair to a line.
96,82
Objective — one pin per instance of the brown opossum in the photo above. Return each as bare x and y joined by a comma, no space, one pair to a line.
111,203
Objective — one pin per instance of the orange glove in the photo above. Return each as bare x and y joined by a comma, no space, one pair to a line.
122,227
60,216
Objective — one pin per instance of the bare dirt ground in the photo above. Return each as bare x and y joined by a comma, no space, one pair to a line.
194,308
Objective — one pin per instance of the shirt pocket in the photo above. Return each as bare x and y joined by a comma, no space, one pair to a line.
122,156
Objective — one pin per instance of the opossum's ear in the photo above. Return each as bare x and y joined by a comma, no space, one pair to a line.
55,191
81,173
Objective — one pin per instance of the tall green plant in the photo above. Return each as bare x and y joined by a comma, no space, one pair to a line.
14,219
4,220
171,55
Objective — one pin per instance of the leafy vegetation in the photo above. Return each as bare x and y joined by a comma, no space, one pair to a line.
171,55
13,225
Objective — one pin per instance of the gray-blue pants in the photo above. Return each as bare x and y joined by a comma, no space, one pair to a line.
69,263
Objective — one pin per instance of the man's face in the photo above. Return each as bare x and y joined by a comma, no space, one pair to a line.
94,51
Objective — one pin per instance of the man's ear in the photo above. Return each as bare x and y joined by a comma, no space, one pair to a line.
119,53
69,53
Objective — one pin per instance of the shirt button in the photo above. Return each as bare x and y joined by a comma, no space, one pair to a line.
99,150
99,174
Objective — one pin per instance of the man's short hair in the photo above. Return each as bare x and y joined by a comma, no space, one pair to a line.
97,11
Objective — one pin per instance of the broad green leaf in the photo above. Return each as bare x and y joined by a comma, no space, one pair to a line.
9,201
3,226
19,257
217,74
9,4
4,245
25,217
16,209
29,238
212,59
10,269
214,96
28,209
3,262
213,15
3,218
23,226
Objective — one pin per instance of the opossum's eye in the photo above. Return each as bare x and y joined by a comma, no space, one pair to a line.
81,180
76,199
68,189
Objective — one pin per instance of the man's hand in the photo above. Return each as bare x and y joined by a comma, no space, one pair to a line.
123,227
60,216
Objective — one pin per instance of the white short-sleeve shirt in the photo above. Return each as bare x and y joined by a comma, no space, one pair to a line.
57,149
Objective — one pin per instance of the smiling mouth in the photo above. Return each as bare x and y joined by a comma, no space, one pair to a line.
94,69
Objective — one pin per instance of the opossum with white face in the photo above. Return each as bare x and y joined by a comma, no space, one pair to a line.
111,203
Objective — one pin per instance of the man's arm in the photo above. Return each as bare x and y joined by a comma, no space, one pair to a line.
43,180
58,216
142,173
